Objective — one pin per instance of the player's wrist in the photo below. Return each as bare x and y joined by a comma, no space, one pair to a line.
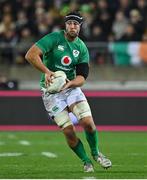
77,82
47,71
74,83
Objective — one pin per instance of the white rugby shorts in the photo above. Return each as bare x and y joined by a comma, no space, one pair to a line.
55,103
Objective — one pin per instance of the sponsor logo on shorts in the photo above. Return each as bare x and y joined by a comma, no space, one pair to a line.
55,108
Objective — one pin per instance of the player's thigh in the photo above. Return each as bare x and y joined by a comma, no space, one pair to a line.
81,109
83,113
62,119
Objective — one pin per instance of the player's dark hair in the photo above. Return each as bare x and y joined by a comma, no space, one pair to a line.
82,69
76,16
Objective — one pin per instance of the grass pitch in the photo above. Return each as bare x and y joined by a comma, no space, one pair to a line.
45,155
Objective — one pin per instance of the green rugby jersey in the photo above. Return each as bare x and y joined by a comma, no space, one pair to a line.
61,54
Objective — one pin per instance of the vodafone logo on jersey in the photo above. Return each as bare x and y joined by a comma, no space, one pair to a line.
66,60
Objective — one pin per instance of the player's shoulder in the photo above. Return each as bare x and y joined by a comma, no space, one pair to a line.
54,34
81,43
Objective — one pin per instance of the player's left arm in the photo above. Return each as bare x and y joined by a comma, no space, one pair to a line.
82,71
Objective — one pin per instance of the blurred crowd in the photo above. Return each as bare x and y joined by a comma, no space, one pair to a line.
26,21
105,20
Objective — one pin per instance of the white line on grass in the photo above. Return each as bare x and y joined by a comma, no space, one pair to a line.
10,154
134,154
49,154
89,178
24,143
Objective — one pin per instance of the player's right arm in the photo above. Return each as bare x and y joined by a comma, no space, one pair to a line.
33,56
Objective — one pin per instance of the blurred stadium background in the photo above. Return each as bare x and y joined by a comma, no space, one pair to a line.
114,31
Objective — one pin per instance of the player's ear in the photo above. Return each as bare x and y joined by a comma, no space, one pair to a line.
65,28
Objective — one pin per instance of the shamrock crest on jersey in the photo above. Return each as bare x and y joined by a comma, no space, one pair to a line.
76,53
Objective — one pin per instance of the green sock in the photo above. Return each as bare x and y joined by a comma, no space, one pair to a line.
80,152
92,139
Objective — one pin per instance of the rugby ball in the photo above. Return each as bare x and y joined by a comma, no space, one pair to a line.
58,81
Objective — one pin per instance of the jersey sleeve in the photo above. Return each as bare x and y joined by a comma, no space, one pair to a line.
84,55
47,43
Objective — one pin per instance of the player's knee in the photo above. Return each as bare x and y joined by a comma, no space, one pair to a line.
89,127
69,132
62,119
70,135
88,124
82,110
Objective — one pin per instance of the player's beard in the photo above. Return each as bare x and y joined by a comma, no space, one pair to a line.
72,34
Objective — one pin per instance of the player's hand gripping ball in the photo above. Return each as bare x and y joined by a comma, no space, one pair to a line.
58,81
